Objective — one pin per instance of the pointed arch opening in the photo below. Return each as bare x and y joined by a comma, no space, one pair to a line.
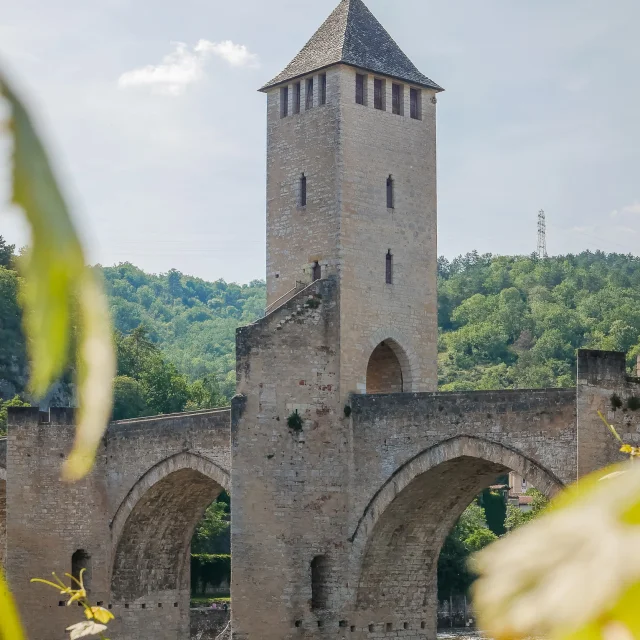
384,369
152,532
403,528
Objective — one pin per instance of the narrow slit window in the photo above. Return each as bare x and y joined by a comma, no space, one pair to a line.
390,193
378,94
359,88
81,565
389,267
284,102
323,88
309,96
396,96
317,271
296,97
303,190
416,106
319,579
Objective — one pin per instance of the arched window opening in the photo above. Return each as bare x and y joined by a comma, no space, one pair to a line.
390,193
389,267
303,190
384,372
319,580
81,560
317,271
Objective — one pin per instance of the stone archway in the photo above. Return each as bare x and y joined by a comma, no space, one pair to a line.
384,371
398,539
407,359
388,369
152,532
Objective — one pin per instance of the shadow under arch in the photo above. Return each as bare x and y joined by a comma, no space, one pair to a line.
153,526
398,538
406,358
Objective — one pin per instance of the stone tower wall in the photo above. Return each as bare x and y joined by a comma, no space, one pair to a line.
347,151
378,144
289,488
309,143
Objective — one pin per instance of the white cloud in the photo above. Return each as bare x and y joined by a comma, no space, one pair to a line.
632,208
237,55
183,66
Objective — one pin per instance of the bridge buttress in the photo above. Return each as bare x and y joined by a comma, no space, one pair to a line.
605,386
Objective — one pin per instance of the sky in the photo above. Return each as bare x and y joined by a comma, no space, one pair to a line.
152,113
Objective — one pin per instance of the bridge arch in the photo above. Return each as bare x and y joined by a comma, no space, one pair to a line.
398,538
152,529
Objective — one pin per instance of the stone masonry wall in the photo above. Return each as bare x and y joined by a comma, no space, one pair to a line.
289,488
136,511
3,500
309,143
378,144
418,461
347,151
603,385
49,521
206,624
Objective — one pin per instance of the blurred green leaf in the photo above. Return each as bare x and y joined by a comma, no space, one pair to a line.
56,281
55,260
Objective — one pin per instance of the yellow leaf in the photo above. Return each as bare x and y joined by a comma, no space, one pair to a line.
98,613
96,370
10,627
563,576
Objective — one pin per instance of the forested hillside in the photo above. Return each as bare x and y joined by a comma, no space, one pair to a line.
192,321
504,322
517,321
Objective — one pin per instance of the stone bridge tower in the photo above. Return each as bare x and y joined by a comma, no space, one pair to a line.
351,193
352,309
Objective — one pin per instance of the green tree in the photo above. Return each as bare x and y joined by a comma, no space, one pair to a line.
129,400
470,534
479,539
13,355
206,394
212,533
516,517
6,253
16,401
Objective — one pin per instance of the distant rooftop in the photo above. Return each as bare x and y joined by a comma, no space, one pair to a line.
352,35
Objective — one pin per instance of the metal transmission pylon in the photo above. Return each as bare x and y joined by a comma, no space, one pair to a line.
542,235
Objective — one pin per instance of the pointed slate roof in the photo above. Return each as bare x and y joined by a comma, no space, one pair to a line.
352,35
